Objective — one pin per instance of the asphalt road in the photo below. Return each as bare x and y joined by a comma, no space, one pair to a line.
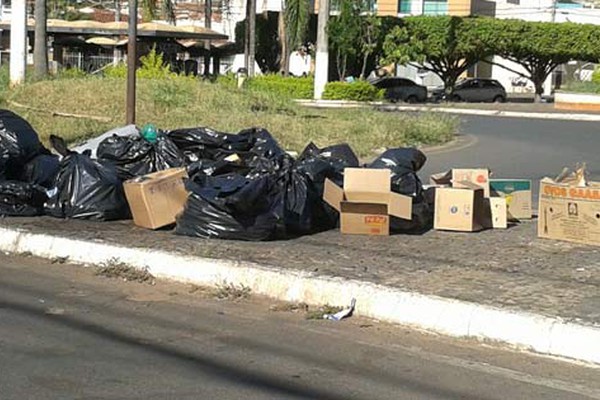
521,147
68,334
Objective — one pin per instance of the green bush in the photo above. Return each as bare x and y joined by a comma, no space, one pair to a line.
596,75
356,91
71,73
116,71
153,67
289,87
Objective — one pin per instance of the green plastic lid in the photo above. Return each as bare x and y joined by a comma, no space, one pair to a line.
150,133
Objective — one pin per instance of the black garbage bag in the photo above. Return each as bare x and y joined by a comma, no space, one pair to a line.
404,164
86,188
215,168
232,207
134,156
19,143
42,170
205,143
21,199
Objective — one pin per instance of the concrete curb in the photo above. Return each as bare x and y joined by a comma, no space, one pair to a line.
448,110
446,316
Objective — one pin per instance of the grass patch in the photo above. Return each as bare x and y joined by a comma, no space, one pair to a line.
230,291
321,311
177,102
113,268
581,87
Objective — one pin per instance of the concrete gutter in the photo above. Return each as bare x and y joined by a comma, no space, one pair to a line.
450,110
541,334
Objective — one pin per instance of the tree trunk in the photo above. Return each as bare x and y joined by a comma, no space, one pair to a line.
539,90
40,52
284,66
449,82
251,37
363,70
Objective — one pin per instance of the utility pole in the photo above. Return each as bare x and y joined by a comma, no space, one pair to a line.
18,42
322,58
251,37
553,10
131,60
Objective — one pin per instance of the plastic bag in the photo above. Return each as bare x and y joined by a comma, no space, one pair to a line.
19,143
134,156
85,188
404,164
207,144
232,207
21,199
42,170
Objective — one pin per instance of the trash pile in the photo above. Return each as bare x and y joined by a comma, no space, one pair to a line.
242,186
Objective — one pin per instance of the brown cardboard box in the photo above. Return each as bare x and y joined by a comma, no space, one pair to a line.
478,176
454,177
460,209
366,201
155,199
517,193
568,212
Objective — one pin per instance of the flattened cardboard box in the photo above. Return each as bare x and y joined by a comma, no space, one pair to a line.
517,193
460,209
569,213
366,202
156,199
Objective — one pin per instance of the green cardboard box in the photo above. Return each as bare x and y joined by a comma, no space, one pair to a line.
517,193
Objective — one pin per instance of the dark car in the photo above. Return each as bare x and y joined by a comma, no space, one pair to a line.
474,90
401,89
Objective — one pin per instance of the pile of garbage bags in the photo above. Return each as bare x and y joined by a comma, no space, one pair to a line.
242,186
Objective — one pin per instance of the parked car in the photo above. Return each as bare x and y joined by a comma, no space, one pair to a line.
401,89
474,90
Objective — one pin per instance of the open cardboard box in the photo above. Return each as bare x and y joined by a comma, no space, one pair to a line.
568,211
366,202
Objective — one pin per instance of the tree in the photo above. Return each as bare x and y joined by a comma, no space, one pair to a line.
294,18
445,45
150,10
344,31
539,47
370,28
40,51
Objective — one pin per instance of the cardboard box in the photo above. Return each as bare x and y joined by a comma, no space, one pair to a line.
455,177
460,209
478,176
156,199
568,212
498,213
517,193
366,201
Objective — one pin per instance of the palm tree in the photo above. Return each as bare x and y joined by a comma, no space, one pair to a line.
40,51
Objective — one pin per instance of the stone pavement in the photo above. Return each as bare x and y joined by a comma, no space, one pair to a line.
510,269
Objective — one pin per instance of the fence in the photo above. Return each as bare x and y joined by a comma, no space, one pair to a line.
87,63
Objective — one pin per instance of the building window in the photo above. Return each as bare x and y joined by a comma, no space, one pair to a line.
404,6
435,7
